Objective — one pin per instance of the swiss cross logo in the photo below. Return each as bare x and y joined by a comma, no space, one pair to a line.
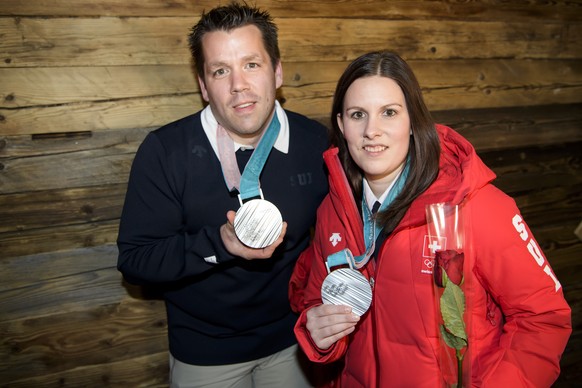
430,246
433,244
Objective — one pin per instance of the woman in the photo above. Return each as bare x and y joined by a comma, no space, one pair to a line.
517,320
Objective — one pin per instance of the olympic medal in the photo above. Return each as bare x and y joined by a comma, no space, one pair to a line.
258,223
348,287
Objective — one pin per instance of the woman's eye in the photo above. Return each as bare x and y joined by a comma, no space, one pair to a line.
356,115
390,112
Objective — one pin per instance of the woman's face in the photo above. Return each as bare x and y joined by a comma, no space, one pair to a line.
376,126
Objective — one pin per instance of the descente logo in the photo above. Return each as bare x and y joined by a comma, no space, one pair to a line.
534,249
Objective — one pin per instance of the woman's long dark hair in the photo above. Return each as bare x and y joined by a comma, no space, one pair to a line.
424,151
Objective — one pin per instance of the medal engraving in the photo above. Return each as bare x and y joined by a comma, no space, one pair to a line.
348,287
258,223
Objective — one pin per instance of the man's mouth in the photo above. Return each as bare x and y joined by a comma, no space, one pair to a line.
243,105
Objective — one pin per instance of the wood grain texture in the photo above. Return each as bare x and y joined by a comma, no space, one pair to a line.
83,82
64,104
114,41
412,9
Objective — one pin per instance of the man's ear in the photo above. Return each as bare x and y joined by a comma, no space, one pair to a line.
278,75
203,89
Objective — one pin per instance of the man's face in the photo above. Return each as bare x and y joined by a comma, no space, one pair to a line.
239,81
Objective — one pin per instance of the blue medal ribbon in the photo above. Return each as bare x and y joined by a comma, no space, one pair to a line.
249,186
371,229
249,182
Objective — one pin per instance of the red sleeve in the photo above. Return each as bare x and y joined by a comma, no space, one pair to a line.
512,268
315,354
299,279
305,292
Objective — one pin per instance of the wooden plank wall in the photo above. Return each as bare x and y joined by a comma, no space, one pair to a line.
82,82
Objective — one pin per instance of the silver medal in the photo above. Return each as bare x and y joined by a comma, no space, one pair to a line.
348,287
258,223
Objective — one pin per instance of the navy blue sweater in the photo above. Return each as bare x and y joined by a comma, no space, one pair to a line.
235,310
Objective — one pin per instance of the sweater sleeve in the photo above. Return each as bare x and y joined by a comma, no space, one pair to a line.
515,272
153,244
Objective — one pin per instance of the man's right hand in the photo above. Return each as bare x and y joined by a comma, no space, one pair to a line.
236,248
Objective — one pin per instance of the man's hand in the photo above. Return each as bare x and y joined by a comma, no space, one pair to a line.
236,248
328,323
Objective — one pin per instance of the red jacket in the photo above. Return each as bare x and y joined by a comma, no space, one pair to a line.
518,321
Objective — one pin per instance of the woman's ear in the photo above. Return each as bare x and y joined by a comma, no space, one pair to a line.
340,122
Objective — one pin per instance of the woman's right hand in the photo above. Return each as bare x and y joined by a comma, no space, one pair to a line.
328,323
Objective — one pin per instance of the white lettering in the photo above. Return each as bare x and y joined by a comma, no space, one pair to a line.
549,272
520,227
534,249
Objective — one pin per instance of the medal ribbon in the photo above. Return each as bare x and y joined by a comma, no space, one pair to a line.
371,229
248,183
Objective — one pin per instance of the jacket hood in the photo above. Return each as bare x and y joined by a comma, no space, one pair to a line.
461,172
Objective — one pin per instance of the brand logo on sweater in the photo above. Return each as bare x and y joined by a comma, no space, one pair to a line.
301,179
335,238
199,151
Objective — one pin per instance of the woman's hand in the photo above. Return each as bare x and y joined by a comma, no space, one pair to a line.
328,323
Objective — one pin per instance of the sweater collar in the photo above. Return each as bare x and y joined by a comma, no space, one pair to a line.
209,125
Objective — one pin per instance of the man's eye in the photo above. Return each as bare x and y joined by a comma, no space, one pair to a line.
219,72
252,65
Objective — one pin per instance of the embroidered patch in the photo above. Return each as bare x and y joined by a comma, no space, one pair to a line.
430,246
433,244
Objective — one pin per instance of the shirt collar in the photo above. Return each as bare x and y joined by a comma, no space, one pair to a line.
371,198
209,124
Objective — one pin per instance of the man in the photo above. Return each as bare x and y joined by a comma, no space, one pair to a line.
229,319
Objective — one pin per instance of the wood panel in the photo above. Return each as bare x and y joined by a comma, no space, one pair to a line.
506,128
46,350
45,86
31,210
82,83
57,238
146,112
67,99
27,271
571,373
109,41
80,168
84,316
411,9
146,371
